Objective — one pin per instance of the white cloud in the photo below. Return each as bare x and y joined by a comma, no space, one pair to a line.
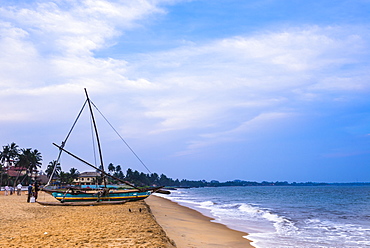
48,49
204,85
69,28
48,54
249,127
263,61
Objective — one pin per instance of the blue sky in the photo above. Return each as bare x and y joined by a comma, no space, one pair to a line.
253,90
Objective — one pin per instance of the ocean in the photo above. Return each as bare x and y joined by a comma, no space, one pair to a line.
287,216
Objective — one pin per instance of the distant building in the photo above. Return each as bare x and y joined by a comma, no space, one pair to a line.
86,178
13,171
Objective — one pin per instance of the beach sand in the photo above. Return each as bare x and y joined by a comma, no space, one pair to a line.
33,225
189,228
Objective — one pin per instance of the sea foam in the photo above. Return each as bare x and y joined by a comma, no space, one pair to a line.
287,216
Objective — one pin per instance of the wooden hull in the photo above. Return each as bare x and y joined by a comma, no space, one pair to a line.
96,197
81,203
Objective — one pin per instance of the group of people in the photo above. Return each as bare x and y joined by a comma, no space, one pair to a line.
32,190
10,190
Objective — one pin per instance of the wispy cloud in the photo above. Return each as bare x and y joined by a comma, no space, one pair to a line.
237,134
213,91
48,49
256,73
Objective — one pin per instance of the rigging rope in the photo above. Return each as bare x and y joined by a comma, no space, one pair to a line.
120,137
69,133
93,139
64,142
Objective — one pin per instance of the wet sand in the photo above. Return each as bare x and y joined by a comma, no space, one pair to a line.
189,228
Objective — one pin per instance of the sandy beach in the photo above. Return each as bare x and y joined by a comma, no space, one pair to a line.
33,225
190,229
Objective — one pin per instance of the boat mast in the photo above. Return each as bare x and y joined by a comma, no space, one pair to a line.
97,139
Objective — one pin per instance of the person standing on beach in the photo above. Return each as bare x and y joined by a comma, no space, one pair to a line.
19,188
35,190
29,193
6,189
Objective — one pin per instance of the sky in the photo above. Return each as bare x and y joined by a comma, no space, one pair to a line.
256,90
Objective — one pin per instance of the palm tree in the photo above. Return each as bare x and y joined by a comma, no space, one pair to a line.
49,170
119,172
24,158
111,168
30,159
73,173
154,178
68,177
63,177
35,160
9,154
129,174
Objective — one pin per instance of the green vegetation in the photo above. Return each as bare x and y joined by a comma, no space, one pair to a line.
28,161
142,179
25,161
63,177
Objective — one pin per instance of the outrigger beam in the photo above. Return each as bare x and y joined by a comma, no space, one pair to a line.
96,168
157,189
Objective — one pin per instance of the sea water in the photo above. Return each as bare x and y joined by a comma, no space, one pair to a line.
287,216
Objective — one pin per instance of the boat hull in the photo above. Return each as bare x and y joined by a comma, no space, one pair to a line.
91,197
81,203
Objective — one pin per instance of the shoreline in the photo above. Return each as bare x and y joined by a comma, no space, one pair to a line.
190,228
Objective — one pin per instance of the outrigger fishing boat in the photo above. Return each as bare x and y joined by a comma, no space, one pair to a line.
99,195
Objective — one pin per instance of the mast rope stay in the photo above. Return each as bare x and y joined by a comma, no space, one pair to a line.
120,137
64,142
93,140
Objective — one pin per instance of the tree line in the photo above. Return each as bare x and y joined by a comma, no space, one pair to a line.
29,160
25,159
